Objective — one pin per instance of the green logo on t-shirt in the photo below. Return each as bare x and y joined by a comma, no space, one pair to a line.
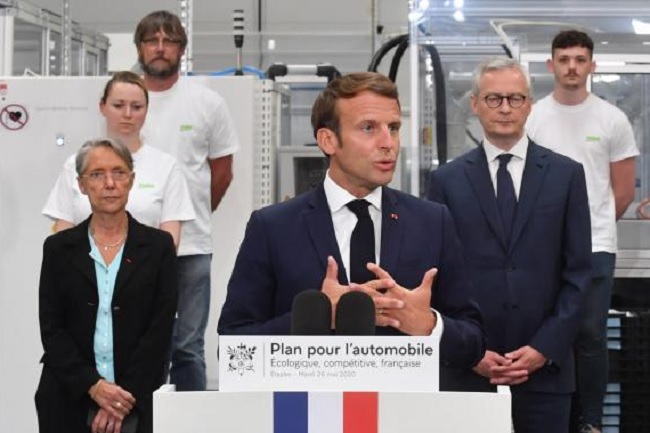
146,185
186,128
592,138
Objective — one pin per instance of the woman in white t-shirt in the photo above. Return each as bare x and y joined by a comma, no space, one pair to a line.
159,197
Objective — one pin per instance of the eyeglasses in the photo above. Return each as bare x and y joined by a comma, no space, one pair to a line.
166,42
495,101
101,176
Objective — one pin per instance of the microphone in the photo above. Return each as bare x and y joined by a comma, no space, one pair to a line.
355,314
311,314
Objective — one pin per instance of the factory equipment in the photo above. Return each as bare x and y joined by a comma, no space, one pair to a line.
36,41
466,35
300,163
525,32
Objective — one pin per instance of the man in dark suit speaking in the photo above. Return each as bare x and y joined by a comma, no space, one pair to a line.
523,218
414,271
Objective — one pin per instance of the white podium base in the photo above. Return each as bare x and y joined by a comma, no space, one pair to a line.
397,412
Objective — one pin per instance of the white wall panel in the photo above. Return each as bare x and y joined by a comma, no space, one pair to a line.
30,160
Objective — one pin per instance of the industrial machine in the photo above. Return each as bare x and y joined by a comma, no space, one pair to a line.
36,41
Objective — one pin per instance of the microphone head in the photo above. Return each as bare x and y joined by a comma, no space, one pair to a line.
355,314
311,314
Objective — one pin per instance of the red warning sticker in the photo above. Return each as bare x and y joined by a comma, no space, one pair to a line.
13,117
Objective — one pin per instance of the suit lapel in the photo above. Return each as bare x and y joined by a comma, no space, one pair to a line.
531,182
79,248
391,231
133,257
318,219
478,173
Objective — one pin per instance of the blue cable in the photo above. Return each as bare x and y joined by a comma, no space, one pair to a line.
231,71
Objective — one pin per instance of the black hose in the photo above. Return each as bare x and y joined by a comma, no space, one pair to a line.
507,50
402,43
397,58
385,48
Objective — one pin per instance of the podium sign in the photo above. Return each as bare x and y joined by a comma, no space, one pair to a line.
322,363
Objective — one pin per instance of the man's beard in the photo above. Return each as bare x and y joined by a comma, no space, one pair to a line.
165,72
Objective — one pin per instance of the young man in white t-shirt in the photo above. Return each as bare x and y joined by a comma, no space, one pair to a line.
192,123
574,122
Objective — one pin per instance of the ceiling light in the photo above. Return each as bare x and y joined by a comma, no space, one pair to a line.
415,16
641,27
459,16
606,78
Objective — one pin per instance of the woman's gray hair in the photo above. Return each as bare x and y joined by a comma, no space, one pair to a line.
497,64
123,152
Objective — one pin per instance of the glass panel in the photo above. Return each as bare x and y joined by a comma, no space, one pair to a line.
76,58
542,81
452,37
55,53
103,62
91,67
28,48
631,93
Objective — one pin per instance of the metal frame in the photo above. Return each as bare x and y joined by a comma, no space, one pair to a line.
186,14
69,31
267,107
6,35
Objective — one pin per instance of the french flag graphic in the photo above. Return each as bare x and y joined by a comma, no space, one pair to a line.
325,412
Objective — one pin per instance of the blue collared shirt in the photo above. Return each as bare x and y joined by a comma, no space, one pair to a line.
103,340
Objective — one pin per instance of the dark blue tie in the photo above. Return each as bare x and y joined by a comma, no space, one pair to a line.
362,243
506,198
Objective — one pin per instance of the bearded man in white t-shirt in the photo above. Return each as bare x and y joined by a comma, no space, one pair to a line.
194,124
576,123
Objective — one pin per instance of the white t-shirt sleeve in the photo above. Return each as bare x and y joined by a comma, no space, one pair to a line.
176,204
623,141
60,202
223,138
534,120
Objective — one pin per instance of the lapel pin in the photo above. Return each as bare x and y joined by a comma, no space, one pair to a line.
394,216
128,260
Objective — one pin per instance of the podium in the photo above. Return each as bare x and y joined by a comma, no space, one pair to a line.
397,412
330,384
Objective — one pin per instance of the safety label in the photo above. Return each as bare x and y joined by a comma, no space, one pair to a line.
13,117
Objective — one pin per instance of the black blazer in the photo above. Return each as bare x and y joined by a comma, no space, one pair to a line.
143,306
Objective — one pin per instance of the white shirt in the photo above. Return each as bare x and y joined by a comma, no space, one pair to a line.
344,221
515,166
159,193
596,134
192,123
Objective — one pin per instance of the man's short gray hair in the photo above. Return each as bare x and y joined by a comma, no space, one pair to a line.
497,64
